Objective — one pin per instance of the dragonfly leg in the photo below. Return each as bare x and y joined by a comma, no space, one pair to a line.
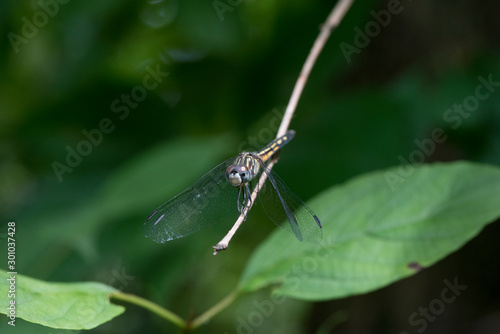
248,196
247,200
240,208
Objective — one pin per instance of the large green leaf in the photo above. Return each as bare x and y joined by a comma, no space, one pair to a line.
379,228
59,305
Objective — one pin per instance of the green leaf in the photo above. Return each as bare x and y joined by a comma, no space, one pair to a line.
379,228
59,305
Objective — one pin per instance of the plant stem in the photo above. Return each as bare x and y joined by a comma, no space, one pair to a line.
334,18
223,244
336,15
149,305
208,314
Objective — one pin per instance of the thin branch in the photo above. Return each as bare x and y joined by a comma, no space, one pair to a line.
222,245
149,305
333,20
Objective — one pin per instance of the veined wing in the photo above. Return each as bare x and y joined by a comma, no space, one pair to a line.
209,200
287,210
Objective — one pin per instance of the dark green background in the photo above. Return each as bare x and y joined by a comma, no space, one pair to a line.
225,78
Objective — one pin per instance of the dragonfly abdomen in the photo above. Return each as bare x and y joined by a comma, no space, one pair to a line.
275,145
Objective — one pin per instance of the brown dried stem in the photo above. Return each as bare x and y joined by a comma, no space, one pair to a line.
333,20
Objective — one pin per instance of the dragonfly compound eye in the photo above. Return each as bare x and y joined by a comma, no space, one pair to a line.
237,175
233,176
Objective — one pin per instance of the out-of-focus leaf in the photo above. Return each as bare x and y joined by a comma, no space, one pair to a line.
379,228
58,305
154,177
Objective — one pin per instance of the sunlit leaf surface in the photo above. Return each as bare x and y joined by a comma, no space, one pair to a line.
59,305
379,228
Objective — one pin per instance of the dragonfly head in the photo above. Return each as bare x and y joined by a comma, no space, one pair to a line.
237,175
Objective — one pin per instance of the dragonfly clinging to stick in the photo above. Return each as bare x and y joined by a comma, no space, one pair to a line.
224,193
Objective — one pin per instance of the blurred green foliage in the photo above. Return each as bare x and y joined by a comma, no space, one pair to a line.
225,78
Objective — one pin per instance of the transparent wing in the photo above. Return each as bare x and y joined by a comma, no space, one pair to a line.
209,200
287,210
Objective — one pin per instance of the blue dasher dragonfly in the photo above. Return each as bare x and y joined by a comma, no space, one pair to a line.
222,194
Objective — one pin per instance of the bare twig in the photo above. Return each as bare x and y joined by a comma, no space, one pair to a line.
333,20
222,245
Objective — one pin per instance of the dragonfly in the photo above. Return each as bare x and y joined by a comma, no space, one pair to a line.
222,194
